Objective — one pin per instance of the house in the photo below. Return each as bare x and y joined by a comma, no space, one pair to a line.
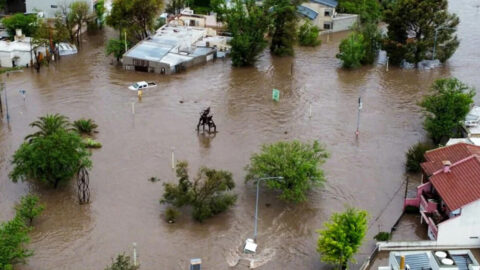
18,52
322,14
449,196
173,48
188,18
432,260
50,8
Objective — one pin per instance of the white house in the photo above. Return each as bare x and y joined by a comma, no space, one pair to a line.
18,52
322,14
50,8
449,198
431,259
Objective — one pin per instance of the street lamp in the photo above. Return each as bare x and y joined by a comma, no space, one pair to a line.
256,202
250,244
435,40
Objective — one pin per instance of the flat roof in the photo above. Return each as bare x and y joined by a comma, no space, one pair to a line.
149,51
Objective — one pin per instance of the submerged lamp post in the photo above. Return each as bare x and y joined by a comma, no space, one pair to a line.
256,201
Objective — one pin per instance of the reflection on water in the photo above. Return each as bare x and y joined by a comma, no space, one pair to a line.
125,208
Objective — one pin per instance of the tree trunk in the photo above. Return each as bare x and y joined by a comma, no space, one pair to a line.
55,185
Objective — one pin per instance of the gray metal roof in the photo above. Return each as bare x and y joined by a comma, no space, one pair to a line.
147,50
462,261
307,12
328,3
417,261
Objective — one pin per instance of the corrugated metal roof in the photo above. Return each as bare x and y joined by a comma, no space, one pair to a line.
452,153
418,261
307,12
461,184
462,261
328,3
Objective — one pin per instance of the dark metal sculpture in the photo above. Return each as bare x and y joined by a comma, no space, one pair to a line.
206,119
83,181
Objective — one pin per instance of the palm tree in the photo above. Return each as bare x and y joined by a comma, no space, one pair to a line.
49,124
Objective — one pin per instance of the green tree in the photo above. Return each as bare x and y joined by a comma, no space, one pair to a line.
308,34
137,17
13,238
122,262
115,47
28,208
412,25
284,25
352,50
298,163
27,23
369,10
248,24
342,237
206,193
371,41
53,156
415,156
446,107
100,11
48,125
175,6
78,15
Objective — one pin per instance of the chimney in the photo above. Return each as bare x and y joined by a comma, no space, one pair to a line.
446,166
402,262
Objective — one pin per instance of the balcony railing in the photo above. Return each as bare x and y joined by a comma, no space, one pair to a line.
428,205
432,227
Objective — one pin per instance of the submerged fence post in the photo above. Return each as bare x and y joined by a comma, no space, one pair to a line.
134,254
173,158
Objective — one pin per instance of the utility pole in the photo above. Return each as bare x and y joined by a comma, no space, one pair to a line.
126,48
360,105
6,101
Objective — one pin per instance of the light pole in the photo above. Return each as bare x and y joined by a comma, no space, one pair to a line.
435,40
256,202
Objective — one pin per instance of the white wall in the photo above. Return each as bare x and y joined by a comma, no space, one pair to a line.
320,9
45,6
461,229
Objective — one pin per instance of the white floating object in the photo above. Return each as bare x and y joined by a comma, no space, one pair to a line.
447,261
441,254
250,246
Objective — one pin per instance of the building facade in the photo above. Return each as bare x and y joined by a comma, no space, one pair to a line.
50,8
323,15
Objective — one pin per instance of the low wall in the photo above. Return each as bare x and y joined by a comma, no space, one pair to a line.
344,22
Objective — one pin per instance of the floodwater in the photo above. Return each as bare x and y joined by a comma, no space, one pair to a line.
124,208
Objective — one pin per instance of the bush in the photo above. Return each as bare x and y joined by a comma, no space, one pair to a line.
122,262
382,236
415,156
171,214
90,143
206,193
298,163
85,126
29,208
352,50
308,35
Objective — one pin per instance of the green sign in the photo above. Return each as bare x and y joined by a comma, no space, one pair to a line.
276,94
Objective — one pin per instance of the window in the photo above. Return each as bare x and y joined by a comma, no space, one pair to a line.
328,13
53,6
327,26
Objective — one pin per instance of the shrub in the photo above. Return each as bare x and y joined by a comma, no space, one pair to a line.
352,50
85,126
308,34
206,193
29,208
90,143
171,214
382,236
415,156
296,162
122,262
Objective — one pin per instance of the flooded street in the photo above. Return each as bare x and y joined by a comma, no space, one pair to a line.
124,208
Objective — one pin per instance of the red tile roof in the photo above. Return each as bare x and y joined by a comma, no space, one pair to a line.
461,185
452,153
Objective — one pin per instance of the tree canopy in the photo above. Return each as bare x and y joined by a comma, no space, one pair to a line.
207,193
412,27
27,23
342,237
248,24
446,107
352,50
369,10
52,155
308,34
28,208
283,29
298,163
136,17
122,262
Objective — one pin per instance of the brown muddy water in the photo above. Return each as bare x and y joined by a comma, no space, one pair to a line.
367,173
